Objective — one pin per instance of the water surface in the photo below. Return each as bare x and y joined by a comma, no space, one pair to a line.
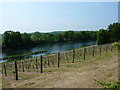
51,48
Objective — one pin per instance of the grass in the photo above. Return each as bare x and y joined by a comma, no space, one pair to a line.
81,60
28,76
65,67
114,84
5,83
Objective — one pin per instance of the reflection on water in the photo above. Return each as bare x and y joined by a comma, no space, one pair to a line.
51,48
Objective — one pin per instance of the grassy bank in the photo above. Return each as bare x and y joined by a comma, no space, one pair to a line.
22,55
80,74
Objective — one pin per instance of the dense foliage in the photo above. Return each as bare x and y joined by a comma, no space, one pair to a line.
111,34
16,40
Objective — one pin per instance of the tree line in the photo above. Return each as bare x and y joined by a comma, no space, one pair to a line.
109,35
17,40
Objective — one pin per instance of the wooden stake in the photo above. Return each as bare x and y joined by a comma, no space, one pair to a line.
16,70
41,64
84,53
73,56
5,70
58,59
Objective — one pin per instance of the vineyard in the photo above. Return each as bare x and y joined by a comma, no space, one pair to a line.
45,63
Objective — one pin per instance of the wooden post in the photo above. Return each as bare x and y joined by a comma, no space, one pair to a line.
26,64
16,71
66,56
58,59
106,48
100,49
36,65
48,61
41,64
93,51
84,53
22,66
2,71
73,56
5,70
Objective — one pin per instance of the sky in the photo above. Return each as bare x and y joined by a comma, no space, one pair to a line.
119,11
57,16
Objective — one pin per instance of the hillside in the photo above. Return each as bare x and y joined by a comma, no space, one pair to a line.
71,75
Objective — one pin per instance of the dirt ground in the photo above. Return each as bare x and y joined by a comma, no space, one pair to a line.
77,75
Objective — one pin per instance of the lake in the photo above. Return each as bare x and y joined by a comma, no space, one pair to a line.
51,48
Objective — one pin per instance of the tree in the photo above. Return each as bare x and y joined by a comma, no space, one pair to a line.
115,32
35,36
6,39
60,37
111,26
12,40
103,37
26,39
69,35
16,40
